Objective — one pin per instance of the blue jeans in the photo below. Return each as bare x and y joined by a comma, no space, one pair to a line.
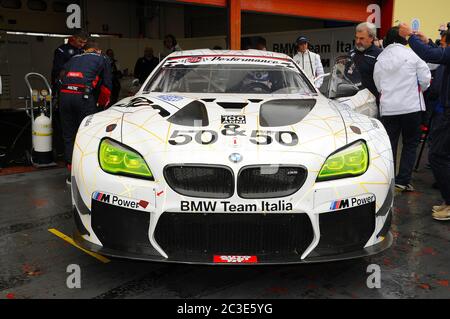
408,125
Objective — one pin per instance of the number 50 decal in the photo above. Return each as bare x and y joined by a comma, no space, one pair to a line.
201,137
208,137
283,138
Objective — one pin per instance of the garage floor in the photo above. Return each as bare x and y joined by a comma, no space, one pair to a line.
33,261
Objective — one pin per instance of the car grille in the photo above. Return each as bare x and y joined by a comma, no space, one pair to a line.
201,181
261,182
184,235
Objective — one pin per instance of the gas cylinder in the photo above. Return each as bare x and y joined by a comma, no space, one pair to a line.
42,139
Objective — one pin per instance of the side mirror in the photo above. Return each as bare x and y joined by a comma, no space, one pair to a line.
135,83
346,90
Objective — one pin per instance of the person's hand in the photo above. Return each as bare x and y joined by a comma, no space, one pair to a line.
405,30
423,37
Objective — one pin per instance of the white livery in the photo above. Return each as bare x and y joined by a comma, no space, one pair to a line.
232,157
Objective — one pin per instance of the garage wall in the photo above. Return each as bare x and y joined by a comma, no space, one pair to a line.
22,54
113,16
431,14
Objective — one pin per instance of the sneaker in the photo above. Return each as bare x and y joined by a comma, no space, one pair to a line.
442,215
439,208
69,180
405,188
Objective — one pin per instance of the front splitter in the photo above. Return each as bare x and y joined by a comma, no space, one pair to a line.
263,261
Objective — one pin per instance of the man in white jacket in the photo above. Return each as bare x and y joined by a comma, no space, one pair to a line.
310,62
401,77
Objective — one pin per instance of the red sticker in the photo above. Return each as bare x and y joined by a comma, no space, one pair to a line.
235,259
75,75
143,204
195,59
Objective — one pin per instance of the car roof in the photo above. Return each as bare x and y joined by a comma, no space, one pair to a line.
243,53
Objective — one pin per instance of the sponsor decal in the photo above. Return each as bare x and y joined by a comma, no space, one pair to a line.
234,119
170,98
230,59
375,124
75,75
89,120
352,202
228,207
235,259
120,201
194,59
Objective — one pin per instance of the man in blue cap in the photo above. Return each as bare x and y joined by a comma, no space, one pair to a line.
310,62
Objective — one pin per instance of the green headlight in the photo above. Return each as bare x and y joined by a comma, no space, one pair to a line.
117,159
350,162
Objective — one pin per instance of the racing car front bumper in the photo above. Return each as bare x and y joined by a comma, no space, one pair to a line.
198,238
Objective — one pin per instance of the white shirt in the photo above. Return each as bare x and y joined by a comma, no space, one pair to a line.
401,77
311,64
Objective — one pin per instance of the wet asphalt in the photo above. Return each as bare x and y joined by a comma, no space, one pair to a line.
33,261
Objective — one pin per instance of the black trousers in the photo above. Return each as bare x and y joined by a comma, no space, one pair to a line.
73,109
408,126
440,154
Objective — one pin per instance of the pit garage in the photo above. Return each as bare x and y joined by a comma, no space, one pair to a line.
51,234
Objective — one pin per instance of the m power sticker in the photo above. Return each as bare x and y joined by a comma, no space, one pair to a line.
352,202
122,202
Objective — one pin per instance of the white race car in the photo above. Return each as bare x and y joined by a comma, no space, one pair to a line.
232,157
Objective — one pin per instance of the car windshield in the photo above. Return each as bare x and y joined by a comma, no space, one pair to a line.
230,78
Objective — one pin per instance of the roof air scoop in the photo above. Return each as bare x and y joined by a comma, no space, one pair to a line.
232,105
194,114
278,113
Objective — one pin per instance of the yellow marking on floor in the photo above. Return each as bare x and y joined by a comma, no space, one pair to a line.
66,238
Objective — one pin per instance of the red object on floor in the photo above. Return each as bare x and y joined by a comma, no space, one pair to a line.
24,169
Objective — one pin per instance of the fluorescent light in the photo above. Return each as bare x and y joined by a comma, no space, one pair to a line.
35,34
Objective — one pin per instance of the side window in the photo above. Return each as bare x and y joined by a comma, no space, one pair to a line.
345,78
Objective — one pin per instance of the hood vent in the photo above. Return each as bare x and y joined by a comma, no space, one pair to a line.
194,114
232,106
278,113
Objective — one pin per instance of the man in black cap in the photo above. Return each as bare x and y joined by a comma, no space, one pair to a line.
310,62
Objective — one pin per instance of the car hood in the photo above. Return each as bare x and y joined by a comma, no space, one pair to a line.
189,128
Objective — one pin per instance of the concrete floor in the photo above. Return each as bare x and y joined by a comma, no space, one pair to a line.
33,262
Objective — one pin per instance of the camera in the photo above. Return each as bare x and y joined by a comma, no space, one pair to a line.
443,30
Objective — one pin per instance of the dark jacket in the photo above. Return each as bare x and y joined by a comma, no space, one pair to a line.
365,62
91,70
435,55
62,55
144,67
